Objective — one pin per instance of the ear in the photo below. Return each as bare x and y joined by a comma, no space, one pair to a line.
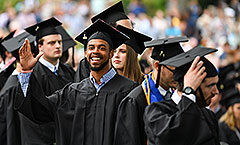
156,65
40,48
111,54
85,53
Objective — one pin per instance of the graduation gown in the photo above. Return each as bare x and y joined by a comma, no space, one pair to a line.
83,70
33,133
81,115
227,135
184,124
10,131
130,125
4,74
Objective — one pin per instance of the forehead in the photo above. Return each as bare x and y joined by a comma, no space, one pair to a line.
211,80
52,37
98,42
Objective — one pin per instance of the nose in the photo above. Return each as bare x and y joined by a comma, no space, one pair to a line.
116,54
215,91
58,44
95,50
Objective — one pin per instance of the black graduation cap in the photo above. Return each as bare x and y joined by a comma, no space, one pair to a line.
44,28
111,14
166,48
101,30
183,61
13,45
2,48
136,39
230,97
67,40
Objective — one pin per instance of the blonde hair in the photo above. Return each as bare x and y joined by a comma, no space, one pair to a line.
132,68
228,118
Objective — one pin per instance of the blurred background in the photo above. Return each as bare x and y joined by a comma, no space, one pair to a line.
211,23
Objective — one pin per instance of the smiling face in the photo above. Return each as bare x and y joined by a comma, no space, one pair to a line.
98,54
52,47
120,57
209,89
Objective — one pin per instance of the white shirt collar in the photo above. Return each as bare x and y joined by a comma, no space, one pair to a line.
163,91
15,72
48,64
175,97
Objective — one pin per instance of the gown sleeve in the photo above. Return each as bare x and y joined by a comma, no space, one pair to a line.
35,105
130,125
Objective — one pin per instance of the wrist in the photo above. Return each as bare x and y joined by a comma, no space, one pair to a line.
188,90
26,71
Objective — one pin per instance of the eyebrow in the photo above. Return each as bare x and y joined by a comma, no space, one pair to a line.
54,40
98,45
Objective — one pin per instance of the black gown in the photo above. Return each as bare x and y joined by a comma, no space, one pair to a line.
227,135
82,116
83,70
33,133
4,74
130,125
10,131
184,124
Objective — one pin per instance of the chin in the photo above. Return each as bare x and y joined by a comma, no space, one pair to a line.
117,67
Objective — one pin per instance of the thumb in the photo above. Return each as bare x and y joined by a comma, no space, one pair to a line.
39,55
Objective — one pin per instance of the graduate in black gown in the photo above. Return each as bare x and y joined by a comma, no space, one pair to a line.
50,74
84,113
8,59
184,120
130,125
10,129
114,16
229,123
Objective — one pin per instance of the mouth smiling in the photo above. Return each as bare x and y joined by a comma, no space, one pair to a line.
95,59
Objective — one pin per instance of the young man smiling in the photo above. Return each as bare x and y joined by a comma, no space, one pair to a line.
85,112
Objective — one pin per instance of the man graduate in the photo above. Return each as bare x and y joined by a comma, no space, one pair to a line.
114,16
50,74
184,120
85,112
130,125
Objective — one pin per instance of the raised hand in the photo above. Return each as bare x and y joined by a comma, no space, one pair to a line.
195,75
27,60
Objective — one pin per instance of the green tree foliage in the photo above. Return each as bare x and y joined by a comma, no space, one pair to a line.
151,5
6,3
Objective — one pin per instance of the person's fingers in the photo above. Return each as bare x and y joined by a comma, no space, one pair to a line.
203,76
198,66
21,49
194,64
28,47
201,71
39,55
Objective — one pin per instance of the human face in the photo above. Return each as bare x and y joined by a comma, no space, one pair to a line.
98,54
119,57
52,47
209,89
236,111
166,77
